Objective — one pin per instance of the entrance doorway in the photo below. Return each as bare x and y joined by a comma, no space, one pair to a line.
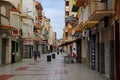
13,46
4,42
79,57
117,49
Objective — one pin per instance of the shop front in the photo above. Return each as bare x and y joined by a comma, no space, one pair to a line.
27,48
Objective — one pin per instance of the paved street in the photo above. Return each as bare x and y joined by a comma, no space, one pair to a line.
29,69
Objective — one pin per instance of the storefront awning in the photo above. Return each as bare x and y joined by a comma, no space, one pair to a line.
67,42
79,28
90,24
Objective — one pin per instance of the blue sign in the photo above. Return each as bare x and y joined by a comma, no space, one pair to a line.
93,55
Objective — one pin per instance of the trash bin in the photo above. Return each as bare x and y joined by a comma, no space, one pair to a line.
53,55
49,58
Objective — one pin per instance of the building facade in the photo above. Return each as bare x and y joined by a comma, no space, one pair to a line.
96,34
10,37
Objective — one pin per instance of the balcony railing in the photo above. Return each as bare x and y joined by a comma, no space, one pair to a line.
84,17
97,6
99,10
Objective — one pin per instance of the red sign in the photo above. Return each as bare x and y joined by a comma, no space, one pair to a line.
28,42
44,41
15,32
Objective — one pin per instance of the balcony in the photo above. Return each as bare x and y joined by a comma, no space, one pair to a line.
99,11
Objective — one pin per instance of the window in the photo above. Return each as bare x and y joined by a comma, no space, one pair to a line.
67,13
67,3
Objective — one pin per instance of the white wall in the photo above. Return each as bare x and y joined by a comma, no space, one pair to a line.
15,20
8,51
84,49
50,40
27,27
4,11
28,7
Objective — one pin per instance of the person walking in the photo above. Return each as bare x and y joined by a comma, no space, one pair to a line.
35,55
57,51
61,51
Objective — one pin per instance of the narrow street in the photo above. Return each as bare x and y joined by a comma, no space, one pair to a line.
29,69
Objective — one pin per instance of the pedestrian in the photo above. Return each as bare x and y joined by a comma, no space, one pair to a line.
38,54
57,51
61,51
35,55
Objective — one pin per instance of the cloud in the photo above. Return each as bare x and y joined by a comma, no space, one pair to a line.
54,9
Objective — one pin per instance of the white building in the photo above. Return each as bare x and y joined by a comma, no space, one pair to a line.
28,22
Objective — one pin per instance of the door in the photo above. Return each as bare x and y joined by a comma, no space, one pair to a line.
13,52
79,60
117,49
3,51
107,52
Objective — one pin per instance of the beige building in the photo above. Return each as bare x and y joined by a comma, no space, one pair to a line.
10,26
95,34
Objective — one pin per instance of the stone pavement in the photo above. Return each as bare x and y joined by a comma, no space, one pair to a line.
29,69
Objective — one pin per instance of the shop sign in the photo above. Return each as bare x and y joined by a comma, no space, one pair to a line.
28,42
44,41
93,55
15,32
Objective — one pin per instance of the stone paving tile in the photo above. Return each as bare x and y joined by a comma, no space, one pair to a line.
29,69
5,76
24,77
40,77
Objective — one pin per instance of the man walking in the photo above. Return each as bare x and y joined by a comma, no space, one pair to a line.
35,55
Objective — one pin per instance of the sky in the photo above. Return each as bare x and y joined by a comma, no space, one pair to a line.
54,9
